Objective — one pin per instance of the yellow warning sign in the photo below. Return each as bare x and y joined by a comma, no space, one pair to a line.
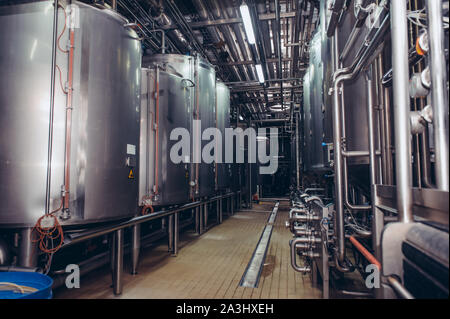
131,175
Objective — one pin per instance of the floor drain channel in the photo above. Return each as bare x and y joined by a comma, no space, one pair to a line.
253,271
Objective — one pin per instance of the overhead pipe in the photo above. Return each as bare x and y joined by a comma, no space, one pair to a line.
439,97
400,68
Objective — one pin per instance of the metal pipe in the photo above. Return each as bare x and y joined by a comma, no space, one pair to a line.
399,288
27,249
135,247
338,179
297,150
280,56
170,233
118,262
176,231
400,68
439,97
52,108
294,265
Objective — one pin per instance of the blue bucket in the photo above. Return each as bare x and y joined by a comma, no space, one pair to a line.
41,282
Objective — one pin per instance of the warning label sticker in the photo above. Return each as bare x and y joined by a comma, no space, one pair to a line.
131,174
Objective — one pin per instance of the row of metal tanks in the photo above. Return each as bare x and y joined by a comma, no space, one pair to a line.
317,100
121,117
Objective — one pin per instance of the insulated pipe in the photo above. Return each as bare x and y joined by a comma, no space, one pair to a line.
439,97
370,258
400,70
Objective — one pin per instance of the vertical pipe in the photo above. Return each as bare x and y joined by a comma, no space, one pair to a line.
297,150
135,247
232,205
28,249
206,212
112,255
197,220
118,262
52,108
170,233
175,234
338,181
377,219
280,56
201,207
388,145
439,98
400,73
220,211
114,5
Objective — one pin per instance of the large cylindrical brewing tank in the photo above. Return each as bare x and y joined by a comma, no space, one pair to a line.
313,108
202,77
223,173
105,114
163,172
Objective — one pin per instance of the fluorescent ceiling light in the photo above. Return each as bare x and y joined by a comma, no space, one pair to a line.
260,73
245,13
241,118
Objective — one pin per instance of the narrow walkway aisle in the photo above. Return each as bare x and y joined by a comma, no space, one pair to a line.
209,266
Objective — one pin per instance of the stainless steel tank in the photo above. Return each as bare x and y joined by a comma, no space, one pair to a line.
223,121
313,106
202,77
161,112
105,115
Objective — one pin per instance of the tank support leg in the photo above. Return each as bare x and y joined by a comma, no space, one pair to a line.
170,233
28,250
135,247
118,262
175,239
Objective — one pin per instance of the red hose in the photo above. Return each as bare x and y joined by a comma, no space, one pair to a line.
371,258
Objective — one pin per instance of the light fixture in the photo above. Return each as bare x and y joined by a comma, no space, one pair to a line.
260,73
248,26
241,118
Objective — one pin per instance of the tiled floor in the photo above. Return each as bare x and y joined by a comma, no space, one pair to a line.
209,266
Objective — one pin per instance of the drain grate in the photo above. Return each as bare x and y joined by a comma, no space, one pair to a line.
252,273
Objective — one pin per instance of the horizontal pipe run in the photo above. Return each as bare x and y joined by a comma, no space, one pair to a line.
139,220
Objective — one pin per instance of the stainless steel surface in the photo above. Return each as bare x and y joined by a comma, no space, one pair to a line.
201,78
223,100
399,288
135,247
159,117
105,115
118,262
439,92
402,109
28,253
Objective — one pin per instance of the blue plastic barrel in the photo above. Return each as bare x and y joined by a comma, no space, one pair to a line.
41,282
